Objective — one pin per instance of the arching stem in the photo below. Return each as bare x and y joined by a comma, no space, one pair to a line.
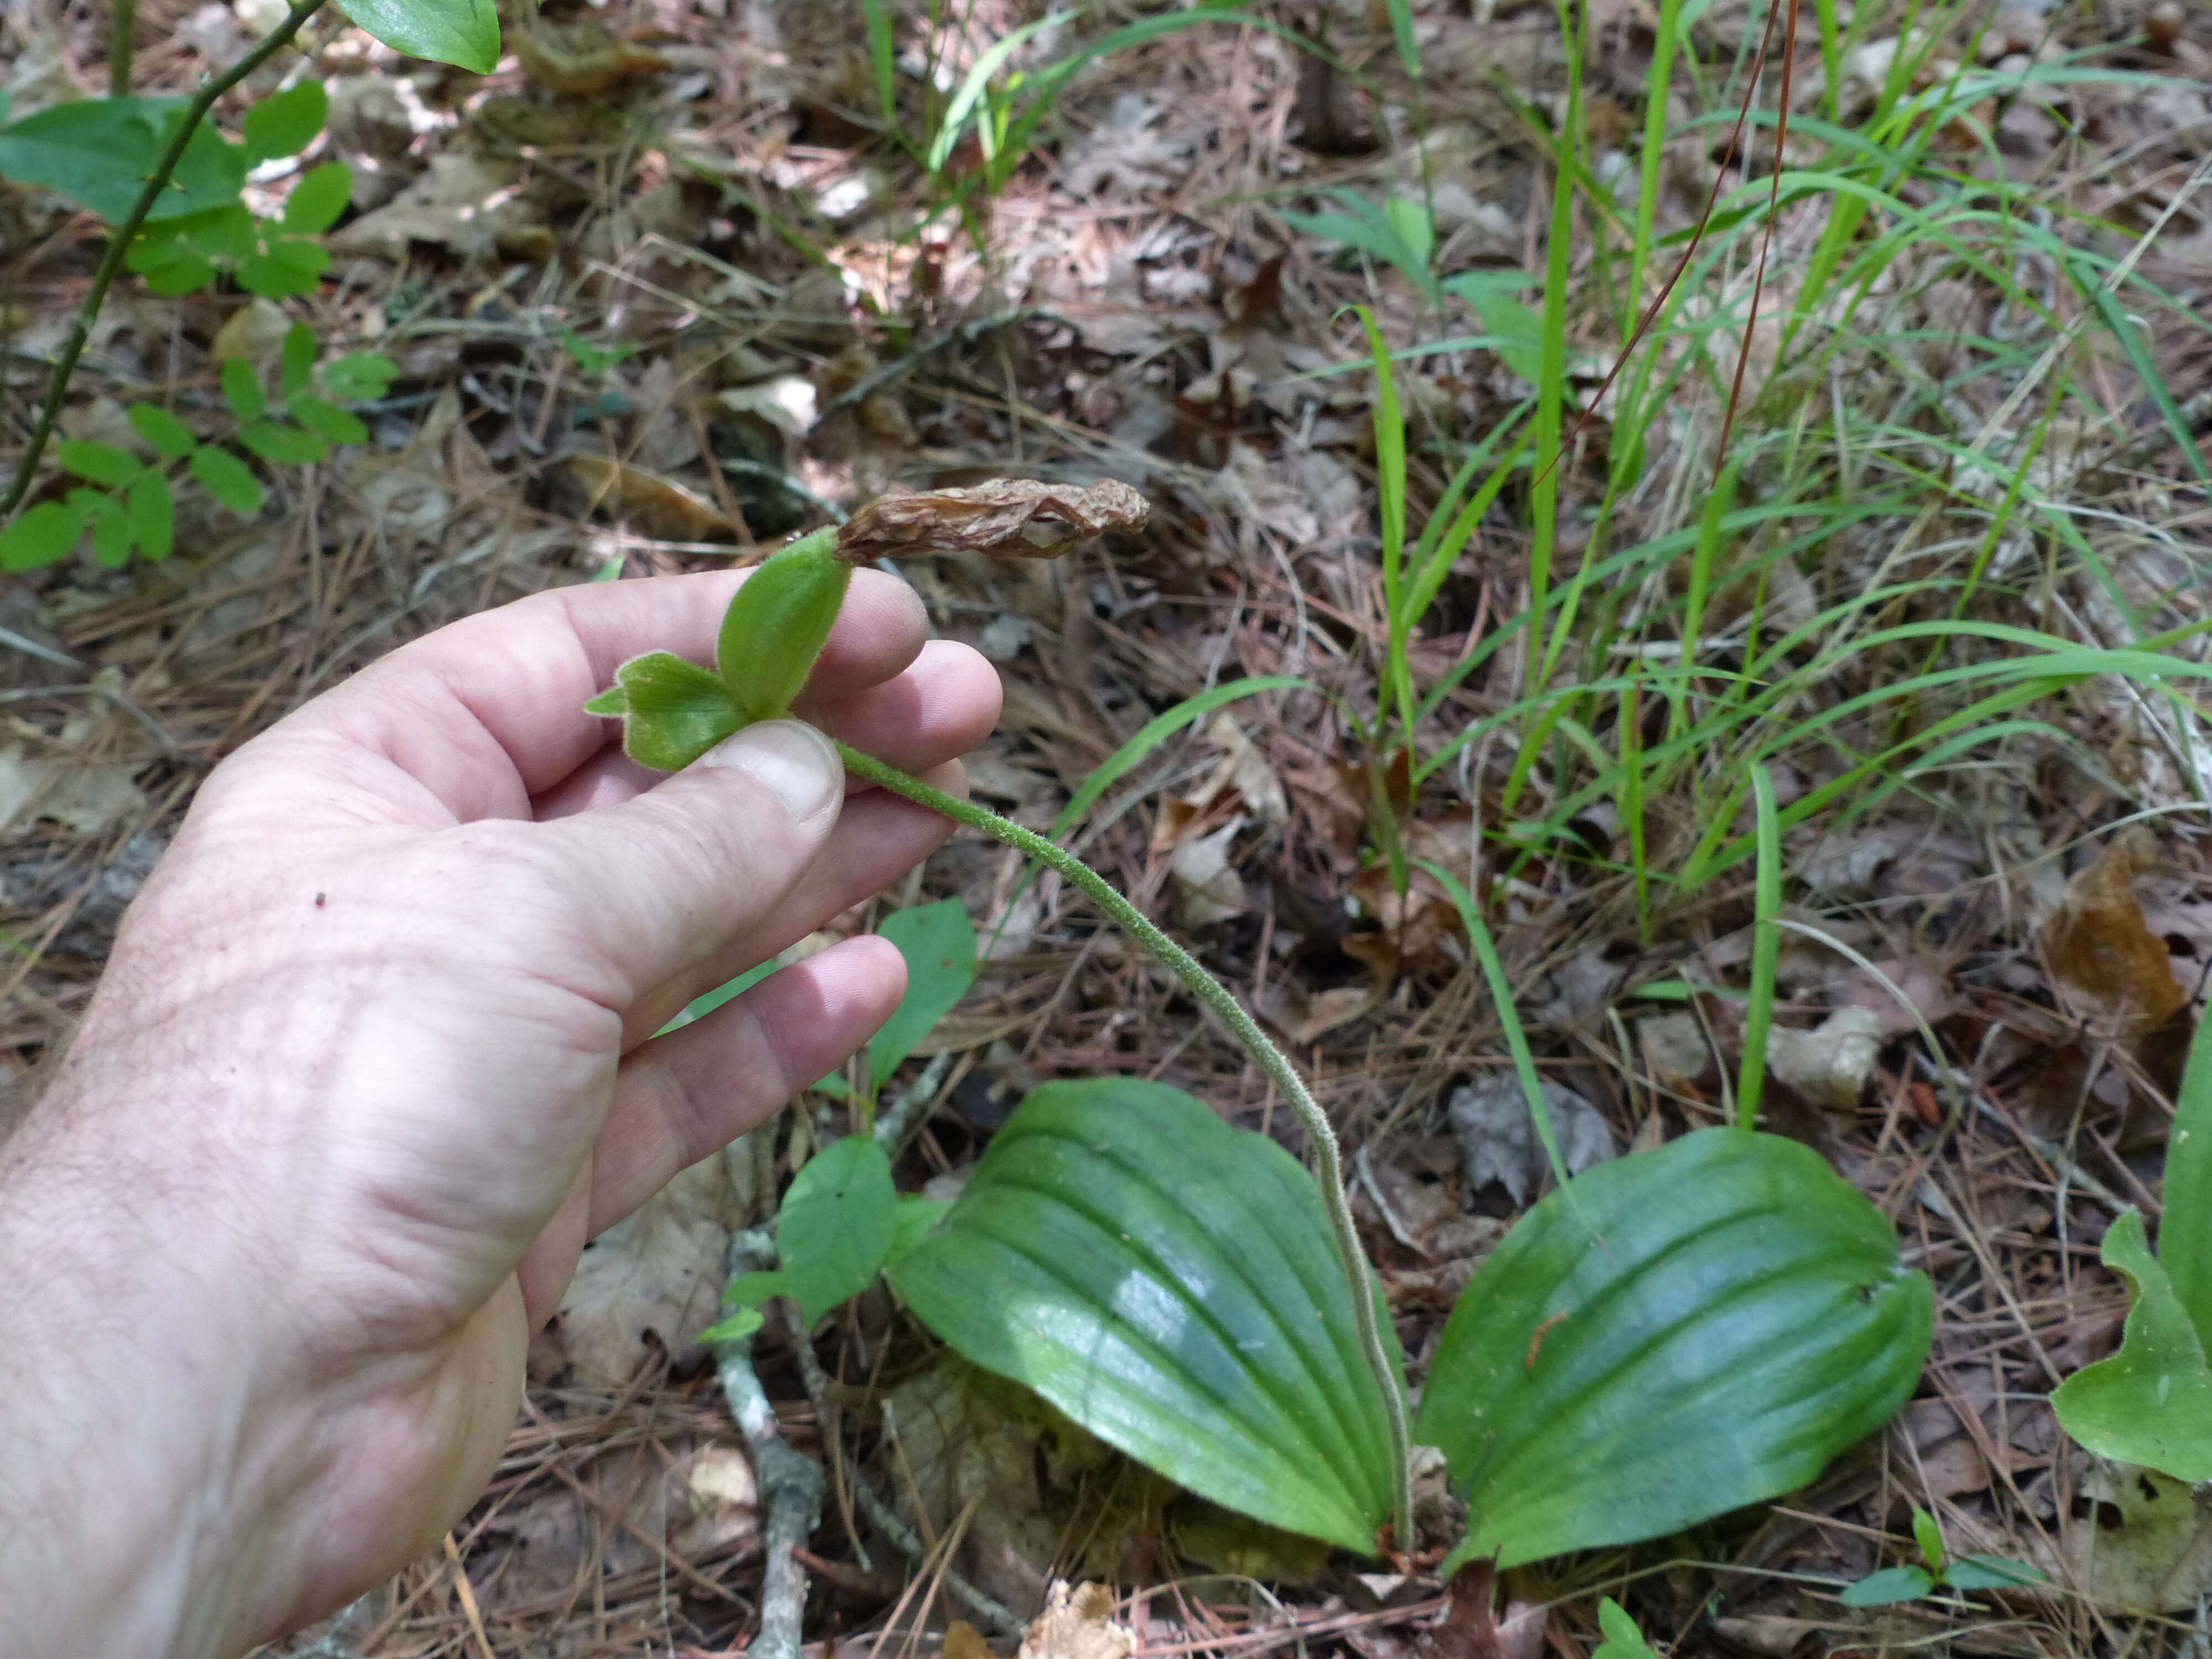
1328,1162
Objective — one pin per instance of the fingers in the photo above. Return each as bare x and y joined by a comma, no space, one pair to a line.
685,1096
660,883
941,706
488,712
878,838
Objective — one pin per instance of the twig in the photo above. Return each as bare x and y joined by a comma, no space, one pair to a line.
118,244
122,32
913,1103
790,1482
996,1614
1328,1158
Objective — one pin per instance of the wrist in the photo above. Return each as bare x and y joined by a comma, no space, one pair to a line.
136,1491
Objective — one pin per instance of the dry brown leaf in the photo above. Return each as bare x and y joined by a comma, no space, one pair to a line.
580,58
1009,518
661,505
2102,950
1078,1623
1831,1063
1497,1140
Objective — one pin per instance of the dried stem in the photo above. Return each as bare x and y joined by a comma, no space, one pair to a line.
1329,1161
118,244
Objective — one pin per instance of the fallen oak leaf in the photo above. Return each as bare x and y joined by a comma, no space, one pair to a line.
1009,518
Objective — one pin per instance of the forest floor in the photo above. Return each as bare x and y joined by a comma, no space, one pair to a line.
668,286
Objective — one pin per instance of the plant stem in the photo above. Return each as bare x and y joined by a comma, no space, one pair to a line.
118,245
1329,1161
122,28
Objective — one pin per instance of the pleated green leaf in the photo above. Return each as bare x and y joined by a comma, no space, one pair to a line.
1705,1327
1167,1283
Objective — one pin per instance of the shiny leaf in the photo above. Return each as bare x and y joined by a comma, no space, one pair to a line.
2150,1403
1670,1336
463,32
1167,1282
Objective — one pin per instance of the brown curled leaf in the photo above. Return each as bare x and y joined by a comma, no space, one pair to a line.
1009,519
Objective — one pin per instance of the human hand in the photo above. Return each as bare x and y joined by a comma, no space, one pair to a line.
371,1059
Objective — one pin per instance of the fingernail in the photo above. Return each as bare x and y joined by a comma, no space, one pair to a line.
788,758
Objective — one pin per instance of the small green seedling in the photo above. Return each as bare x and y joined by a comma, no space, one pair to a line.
1943,1570
1622,1639
130,505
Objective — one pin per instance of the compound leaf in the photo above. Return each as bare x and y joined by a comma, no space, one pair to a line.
463,32
329,421
317,200
938,944
1167,1282
285,446
286,123
837,1223
101,463
41,535
228,479
168,436
1671,1335
2150,1403
153,514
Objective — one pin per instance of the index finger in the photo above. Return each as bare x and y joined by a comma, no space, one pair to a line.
488,711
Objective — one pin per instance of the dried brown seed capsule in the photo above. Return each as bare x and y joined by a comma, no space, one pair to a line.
1012,519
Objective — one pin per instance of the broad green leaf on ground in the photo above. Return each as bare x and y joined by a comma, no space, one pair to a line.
463,32
672,711
1673,1335
98,152
1167,1282
2150,1403
938,944
836,1224
2184,1232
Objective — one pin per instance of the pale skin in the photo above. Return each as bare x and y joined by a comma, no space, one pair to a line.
373,1058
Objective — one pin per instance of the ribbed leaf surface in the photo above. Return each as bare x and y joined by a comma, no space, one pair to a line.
1167,1281
1673,1335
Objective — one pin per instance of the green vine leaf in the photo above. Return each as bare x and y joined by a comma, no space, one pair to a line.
1672,1335
838,1222
1167,1283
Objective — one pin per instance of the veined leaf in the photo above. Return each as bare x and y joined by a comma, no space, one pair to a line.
1167,1282
2184,1237
99,152
1672,1335
463,32
837,1223
2150,1403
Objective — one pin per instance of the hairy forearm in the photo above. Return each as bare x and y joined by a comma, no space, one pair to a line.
128,1459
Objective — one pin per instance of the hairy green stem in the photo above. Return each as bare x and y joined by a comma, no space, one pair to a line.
118,245
1329,1161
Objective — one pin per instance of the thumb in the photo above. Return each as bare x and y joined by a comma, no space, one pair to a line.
668,876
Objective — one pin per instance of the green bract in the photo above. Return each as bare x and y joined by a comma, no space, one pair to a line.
673,711
1167,1283
1671,1336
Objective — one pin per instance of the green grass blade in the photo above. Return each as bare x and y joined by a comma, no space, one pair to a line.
1766,948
